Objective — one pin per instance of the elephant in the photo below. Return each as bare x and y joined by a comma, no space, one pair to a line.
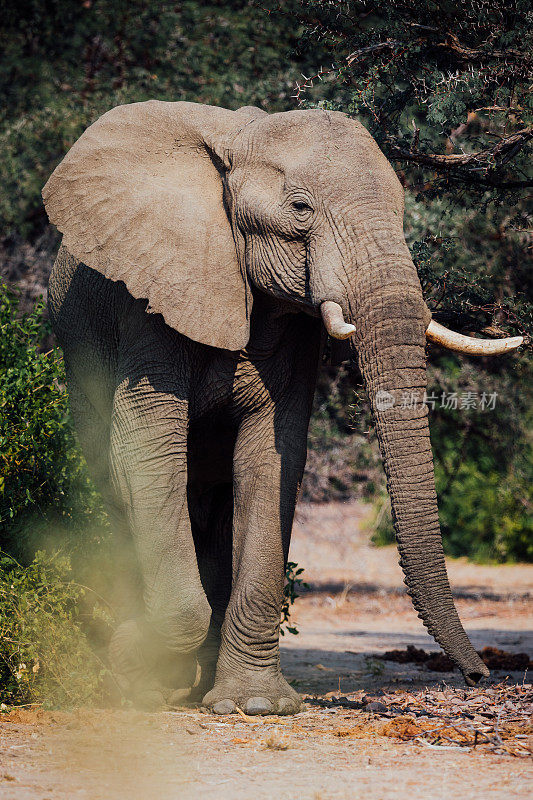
207,254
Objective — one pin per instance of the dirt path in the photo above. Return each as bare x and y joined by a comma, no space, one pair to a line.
342,746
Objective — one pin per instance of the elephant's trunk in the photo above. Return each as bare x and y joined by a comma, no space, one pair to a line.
391,319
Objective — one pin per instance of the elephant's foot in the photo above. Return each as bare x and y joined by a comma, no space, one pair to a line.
253,693
152,695
152,678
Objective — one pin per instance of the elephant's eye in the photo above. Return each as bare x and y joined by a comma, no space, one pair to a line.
299,205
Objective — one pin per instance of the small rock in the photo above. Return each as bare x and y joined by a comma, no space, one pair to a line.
193,728
376,706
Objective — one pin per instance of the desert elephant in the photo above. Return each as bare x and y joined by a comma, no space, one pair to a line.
205,255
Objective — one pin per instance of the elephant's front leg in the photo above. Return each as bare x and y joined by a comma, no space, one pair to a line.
154,656
268,466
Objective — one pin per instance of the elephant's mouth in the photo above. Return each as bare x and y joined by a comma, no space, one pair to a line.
338,328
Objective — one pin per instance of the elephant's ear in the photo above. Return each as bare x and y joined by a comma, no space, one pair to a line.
139,197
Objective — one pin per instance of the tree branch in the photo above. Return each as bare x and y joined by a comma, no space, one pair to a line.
373,48
467,53
498,155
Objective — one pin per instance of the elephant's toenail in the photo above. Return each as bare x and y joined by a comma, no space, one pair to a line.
286,706
258,705
178,696
224,707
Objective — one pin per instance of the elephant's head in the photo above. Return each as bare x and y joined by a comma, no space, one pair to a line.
189,205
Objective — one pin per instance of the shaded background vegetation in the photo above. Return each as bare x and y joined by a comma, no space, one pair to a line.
444,90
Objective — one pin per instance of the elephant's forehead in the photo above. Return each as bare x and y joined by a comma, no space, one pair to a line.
295,136
319,146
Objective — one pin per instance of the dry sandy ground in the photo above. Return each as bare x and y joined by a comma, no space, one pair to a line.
356,609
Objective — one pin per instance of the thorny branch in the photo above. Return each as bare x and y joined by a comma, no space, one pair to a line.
487,159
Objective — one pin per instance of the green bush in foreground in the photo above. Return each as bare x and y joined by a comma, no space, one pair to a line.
43,478
45,654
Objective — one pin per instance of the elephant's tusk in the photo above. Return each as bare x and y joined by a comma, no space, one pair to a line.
468,344
334,321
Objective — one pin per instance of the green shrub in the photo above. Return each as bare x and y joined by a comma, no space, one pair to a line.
488,515
44,652
293,581
43,478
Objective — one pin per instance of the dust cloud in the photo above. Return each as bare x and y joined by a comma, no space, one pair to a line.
114,755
